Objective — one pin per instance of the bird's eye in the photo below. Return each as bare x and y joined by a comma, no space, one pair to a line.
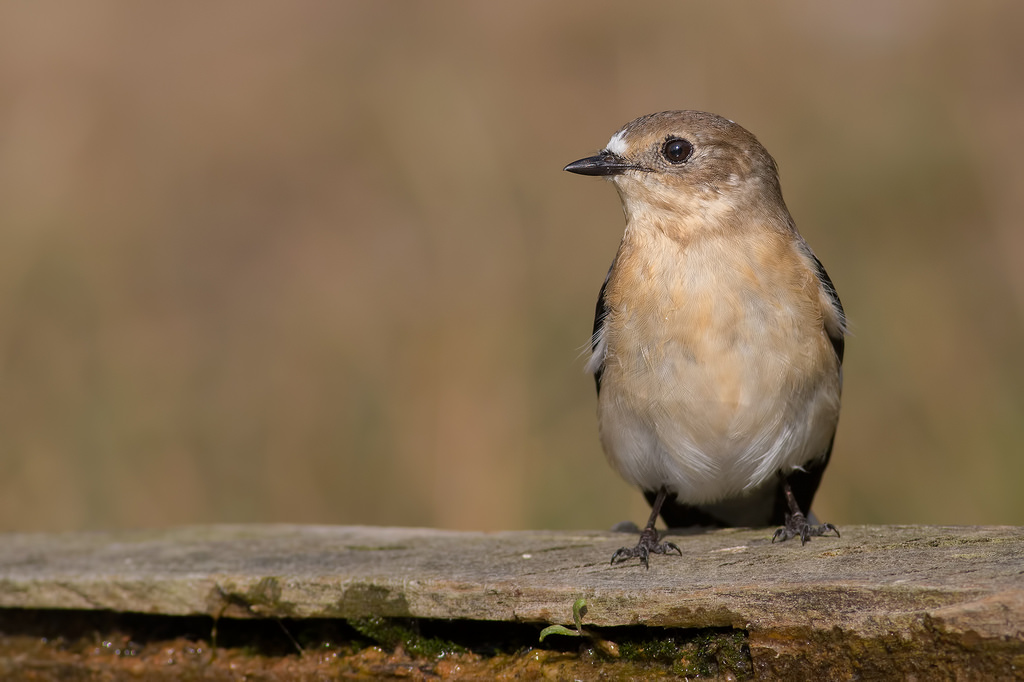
677,150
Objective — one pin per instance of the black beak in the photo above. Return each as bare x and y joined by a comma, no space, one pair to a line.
604,163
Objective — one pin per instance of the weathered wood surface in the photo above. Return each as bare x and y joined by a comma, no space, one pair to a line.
874,581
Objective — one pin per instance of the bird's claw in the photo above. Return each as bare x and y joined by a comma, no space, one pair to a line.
647,545
797,526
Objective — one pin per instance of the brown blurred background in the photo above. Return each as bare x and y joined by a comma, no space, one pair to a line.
318,261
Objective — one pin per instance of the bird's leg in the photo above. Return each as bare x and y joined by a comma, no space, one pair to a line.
797,524
648,543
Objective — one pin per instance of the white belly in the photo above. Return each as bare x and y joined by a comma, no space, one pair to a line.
707,447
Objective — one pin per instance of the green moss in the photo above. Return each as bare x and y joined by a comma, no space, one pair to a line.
370,598
393,632
267,592
693,653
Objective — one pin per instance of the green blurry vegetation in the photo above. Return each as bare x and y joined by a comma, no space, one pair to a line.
703,652
695,653
319,263
390,633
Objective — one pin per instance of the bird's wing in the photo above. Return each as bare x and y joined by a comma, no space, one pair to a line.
804,481
836,331
598,344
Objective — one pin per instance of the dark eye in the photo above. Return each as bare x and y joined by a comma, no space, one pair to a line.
677,150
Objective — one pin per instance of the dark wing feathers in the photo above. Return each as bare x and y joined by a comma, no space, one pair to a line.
600,313
838,341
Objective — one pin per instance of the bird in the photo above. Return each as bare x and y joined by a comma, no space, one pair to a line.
718,337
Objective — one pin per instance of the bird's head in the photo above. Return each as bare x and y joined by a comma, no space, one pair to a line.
686,163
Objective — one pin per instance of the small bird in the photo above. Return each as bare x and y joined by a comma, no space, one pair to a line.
718,337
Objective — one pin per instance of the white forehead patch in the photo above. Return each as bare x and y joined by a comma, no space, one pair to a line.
617,145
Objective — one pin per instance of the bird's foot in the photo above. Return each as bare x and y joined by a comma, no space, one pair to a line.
798,526
647,545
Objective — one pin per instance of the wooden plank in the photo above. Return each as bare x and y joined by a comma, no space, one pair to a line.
872,581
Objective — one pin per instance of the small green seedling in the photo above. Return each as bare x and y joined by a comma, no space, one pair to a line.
579,608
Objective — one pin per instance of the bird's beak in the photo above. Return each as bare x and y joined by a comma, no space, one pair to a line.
605,163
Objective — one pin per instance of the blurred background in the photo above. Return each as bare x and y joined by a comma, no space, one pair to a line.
318,262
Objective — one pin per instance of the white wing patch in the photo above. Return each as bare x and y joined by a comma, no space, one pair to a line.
600,346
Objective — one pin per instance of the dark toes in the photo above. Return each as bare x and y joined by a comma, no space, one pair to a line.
647,545
623,553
